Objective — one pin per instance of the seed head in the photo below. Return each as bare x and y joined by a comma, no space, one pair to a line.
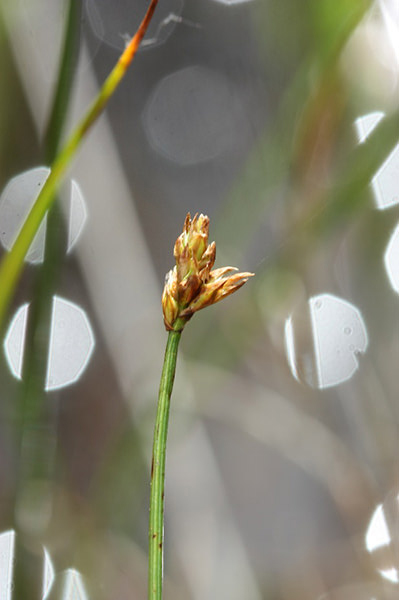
191,284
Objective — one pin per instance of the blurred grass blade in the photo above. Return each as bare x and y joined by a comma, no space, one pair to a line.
279,152
66,73
12,264
343,198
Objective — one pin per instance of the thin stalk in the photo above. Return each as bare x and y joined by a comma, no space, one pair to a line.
156,524
39,319
36,421
63,89
12,264
190,286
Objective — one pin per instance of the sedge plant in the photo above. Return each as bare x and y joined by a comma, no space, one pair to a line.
191,285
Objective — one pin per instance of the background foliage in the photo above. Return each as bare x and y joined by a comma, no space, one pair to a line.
243,111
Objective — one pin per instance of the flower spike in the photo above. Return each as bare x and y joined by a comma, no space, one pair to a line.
192,284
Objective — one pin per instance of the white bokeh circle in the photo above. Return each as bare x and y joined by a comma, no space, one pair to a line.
16,201
71,343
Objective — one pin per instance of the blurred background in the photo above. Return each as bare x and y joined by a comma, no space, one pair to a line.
280,121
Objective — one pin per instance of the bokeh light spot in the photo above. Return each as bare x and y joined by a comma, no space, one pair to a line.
385,182
7,542
382,539
191,116
70,347
323,340
391,260
73,588
16,201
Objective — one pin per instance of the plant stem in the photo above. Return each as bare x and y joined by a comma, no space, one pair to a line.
156,524
12,263
39,319
36,412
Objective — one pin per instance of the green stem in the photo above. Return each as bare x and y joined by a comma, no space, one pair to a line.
36,423
63,89
156,525
39,320
12,264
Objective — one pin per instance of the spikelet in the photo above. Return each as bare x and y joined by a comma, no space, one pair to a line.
192,284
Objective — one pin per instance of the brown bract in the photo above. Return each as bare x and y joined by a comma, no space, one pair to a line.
192,284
